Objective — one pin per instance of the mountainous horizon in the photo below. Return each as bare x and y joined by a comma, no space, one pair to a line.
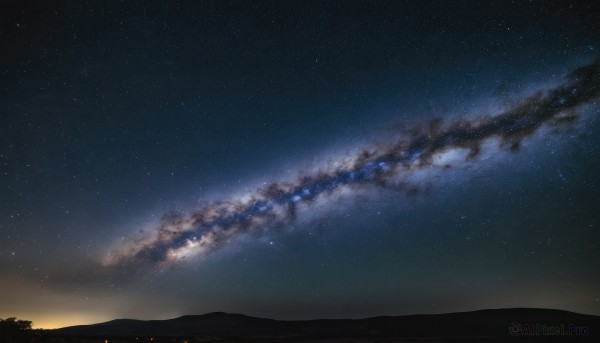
486,323
225,313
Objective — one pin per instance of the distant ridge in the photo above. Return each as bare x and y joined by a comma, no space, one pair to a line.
482,324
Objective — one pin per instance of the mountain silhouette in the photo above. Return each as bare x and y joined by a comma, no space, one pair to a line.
492,325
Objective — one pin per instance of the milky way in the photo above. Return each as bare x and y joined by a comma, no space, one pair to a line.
387,165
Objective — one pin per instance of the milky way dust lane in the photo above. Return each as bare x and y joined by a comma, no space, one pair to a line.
213,226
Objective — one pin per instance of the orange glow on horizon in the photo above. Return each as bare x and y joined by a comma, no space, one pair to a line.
63,320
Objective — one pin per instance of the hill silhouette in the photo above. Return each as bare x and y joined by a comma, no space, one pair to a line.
489,325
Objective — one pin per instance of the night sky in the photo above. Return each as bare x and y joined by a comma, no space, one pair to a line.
299,160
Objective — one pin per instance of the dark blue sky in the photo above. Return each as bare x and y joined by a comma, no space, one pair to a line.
115,114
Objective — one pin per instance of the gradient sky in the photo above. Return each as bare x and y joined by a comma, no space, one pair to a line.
118,115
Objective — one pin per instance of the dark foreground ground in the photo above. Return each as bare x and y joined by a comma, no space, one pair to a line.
502,325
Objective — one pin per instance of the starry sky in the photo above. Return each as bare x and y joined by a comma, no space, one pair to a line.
295,161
